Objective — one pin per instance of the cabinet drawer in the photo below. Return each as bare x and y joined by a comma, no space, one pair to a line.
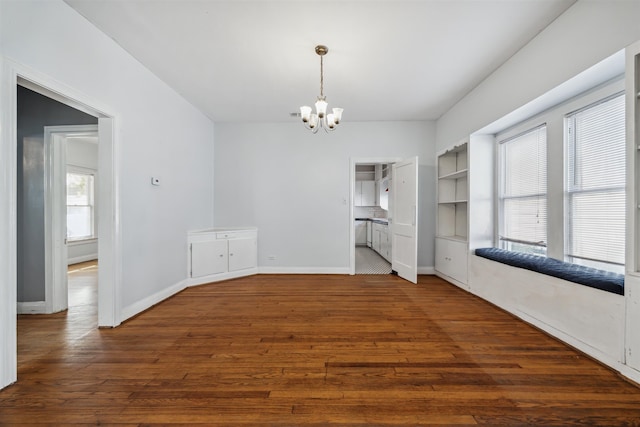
235,235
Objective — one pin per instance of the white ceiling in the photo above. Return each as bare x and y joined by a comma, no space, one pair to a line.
254,61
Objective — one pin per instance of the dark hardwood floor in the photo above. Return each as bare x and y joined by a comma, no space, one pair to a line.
309,349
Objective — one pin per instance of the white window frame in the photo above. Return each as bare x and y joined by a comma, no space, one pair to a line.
94,226
575,189
506,242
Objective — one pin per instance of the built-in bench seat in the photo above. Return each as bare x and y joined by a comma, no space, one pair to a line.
588,276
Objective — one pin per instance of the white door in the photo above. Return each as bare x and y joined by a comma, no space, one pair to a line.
404,184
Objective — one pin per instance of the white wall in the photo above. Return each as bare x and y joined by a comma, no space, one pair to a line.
585,34
294,186
158,134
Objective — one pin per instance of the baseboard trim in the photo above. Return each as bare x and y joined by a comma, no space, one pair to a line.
32,307
197,281
83,258
427,270
146,303
304,270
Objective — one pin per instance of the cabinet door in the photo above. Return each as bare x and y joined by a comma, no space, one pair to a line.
368,193
375,240
361,232
451,259
208,258
386,244
243,254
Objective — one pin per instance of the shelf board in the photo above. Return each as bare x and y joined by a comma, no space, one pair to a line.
452,202
455,175
455,238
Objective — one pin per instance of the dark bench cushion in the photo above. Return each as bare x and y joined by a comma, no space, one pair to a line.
588,276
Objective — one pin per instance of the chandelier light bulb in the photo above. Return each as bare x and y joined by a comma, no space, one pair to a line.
305,113
321,107
337,115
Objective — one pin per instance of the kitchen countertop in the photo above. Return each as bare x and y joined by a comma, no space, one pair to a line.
384,221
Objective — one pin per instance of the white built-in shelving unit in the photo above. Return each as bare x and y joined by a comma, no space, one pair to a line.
465,208
453,191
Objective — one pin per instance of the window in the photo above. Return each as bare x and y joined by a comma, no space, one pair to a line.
596,185
80,206
523,192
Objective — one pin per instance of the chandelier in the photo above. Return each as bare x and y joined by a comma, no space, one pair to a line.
320,119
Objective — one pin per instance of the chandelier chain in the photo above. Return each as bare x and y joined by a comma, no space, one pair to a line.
321,77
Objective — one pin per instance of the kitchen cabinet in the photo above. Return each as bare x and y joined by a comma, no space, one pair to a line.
361,232
375,238
365,193
223,252
369,233
381,240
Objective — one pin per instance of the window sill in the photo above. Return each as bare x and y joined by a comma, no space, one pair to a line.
81,241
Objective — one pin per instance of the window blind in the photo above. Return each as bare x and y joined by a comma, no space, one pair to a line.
523,197
80,206
596,183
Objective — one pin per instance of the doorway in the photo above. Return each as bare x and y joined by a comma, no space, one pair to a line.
71,206
371,215
392,231
16,75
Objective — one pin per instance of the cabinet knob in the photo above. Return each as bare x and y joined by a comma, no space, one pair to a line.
230,254
221,255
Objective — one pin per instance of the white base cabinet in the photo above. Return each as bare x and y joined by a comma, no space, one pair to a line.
221,253
381,240
451,259
361,232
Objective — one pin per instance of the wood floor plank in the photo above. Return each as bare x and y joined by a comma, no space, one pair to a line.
308,350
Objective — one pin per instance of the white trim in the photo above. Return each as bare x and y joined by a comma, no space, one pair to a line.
35,307
629,372
8,225
305,270
203,280
562,336
83,258
148,302
427,271
452,280
109,231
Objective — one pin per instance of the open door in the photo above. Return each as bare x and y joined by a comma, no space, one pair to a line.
403,223
55,205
